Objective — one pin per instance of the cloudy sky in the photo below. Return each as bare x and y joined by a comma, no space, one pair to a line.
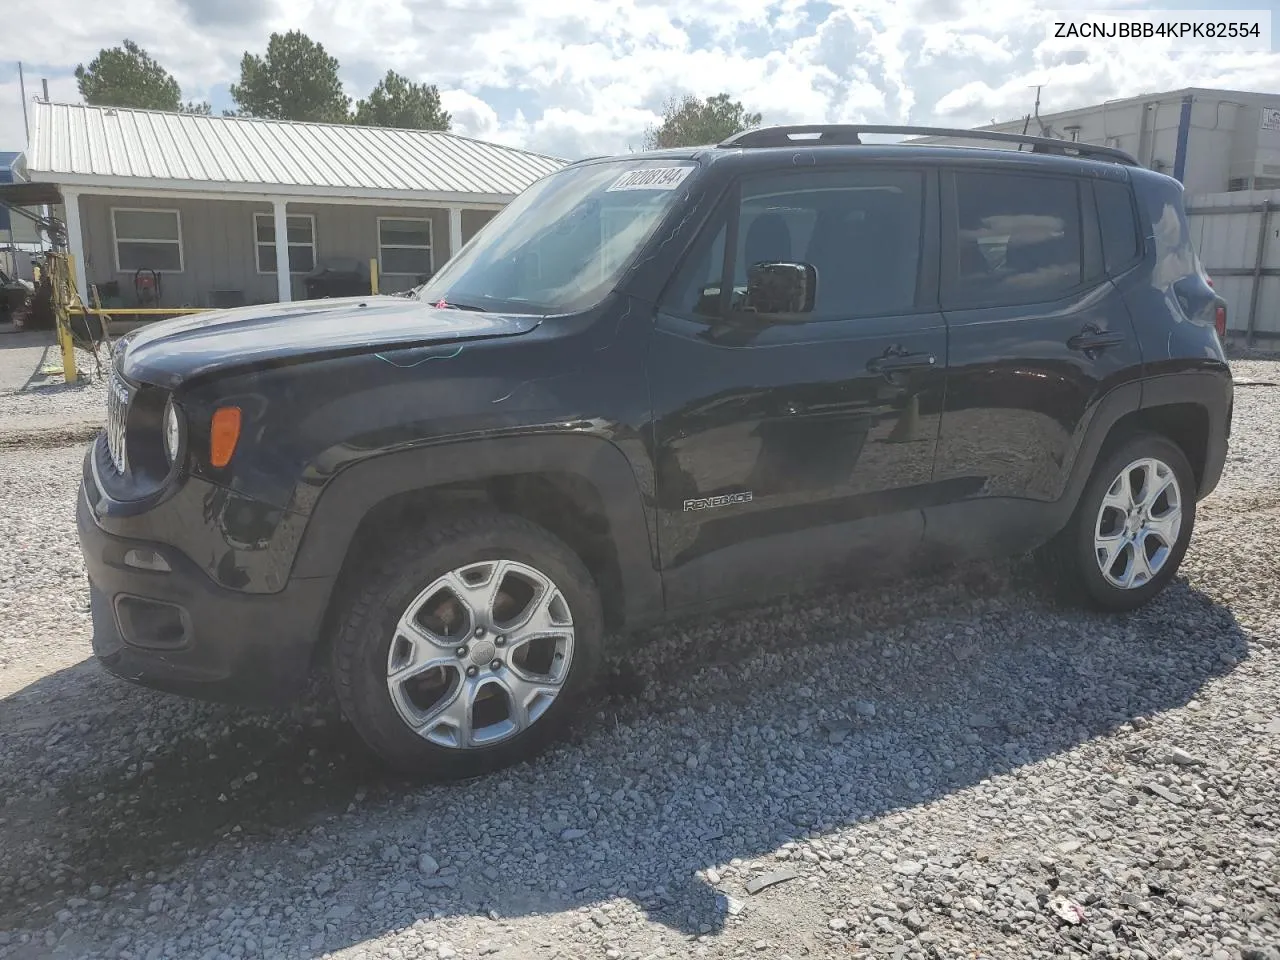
580,77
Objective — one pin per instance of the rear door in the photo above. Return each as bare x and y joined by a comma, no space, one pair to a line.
792,450
1038,334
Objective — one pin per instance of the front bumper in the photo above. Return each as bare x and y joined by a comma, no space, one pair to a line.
179,631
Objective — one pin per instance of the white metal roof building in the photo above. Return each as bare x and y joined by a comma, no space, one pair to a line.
296,177
99,146
1212,140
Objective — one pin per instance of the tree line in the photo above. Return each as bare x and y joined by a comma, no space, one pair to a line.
297,79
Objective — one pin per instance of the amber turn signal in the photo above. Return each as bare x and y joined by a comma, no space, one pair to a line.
223,434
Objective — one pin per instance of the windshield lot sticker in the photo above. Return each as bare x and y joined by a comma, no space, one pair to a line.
660,178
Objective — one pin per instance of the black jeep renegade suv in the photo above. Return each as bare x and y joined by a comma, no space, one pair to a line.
652,385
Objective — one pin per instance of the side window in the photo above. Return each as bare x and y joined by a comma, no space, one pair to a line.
1017,239
860,229
1119,226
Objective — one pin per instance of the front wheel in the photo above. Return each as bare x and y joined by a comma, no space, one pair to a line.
465,650
1131,528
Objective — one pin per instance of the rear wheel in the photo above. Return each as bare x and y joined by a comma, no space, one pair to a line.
1130,530
466,649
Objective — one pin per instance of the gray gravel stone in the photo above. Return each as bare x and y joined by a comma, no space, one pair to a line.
1183,759
770,879
1021,749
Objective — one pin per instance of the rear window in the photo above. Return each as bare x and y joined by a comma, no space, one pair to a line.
1118,224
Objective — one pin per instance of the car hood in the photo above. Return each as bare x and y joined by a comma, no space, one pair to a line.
176,351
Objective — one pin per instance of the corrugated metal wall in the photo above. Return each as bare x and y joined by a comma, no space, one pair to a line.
1228,244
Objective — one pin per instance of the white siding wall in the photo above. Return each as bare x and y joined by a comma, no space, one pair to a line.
218,244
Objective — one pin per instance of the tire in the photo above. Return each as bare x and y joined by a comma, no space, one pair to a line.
512,553
1072,558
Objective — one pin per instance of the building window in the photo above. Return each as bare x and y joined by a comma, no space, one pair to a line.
301,230
404,247
147,240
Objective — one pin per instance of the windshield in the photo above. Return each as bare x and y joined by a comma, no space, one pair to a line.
561,245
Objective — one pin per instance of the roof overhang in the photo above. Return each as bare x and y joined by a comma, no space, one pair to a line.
29,194
81,183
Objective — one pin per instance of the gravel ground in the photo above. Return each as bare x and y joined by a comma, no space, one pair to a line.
30,400
960,768
75,401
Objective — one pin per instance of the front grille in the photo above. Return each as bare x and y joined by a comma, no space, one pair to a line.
117,416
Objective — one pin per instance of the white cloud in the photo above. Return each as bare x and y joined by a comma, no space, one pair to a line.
588,77
941,42
471,116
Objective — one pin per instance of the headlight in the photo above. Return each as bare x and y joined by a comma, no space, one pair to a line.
172,431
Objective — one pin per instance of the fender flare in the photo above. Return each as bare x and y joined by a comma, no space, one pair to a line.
347,499
1211,389
1122,401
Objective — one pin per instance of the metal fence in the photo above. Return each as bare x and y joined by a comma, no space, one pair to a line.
1237,236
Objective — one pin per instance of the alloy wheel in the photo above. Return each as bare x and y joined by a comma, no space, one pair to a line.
1138,523
480,654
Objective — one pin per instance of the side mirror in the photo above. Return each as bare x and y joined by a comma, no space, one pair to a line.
780,288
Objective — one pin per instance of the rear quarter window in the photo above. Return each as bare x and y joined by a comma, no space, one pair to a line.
1118,222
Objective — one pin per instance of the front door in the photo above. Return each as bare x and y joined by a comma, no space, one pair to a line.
790,450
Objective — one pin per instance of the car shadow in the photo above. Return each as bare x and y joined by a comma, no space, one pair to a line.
988,687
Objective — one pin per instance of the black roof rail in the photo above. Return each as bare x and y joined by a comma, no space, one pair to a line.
817,134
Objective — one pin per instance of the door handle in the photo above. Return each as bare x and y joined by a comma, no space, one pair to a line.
1091,338
894,359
